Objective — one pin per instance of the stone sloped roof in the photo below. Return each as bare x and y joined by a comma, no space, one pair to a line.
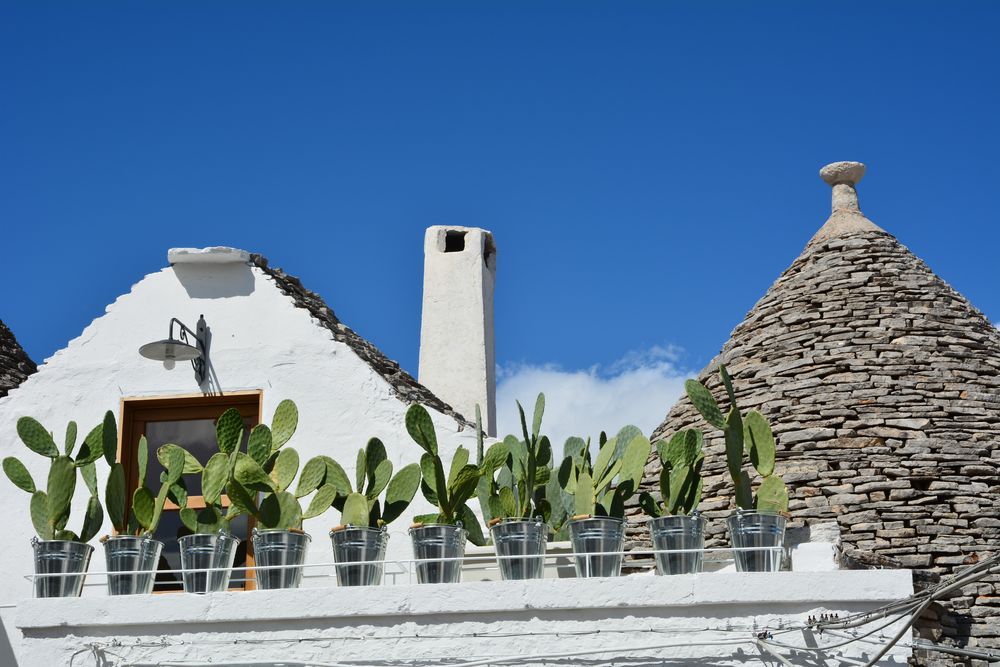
882,384
402,383
15,364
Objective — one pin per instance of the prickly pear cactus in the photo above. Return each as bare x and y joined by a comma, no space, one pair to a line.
267,469
680,475
518,479
380,497
602,487
450,492
50,508
746,436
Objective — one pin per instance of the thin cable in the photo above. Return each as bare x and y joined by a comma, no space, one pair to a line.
827,647
475,663
915,607
908,603
473,635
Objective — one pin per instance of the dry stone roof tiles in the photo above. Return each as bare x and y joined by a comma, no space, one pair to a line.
882,384
15,364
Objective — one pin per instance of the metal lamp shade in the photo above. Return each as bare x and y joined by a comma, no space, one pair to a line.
170,349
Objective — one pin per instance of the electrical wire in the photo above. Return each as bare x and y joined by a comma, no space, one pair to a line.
911,608
495,660
907,604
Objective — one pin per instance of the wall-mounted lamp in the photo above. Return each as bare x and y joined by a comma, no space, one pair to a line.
171,350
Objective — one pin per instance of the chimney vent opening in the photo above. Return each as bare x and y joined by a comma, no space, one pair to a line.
454,241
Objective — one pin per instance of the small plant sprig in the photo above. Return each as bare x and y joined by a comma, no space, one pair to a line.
363,508
601,488
680,475
50,509
748,436
450,493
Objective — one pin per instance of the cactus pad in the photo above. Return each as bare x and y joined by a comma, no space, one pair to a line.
229,431
70,438
704,402
260,443
114,497
36,437
109,438
285,468
18,474
760,442
280,510
400,491
421,428
284,423
40,515
321,502
312,476
355,510
61,485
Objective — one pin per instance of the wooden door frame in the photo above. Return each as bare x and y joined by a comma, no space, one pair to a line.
131,409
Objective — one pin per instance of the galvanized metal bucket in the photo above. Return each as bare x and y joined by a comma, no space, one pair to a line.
600,535
679,542
359,553
439,550
207,561
285,550
764,532
520,548
62,566
135,556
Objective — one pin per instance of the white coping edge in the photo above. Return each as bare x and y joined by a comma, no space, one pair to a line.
631,592
212,255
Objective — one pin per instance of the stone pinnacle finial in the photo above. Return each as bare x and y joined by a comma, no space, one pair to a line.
843,176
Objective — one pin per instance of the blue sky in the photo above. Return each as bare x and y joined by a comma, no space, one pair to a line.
647,168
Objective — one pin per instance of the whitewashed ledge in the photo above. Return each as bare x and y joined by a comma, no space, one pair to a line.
707,619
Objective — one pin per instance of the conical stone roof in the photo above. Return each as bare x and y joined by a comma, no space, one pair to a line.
15,364
882,384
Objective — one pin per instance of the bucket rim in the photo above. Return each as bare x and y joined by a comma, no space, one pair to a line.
382,530
457,526
117,538
272,531
35,543
618,520
221,536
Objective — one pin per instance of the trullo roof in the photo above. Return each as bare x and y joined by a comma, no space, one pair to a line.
882,384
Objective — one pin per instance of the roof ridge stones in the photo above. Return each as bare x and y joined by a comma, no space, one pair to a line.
402,383
15,364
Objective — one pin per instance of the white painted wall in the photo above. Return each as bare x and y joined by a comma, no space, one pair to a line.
707,619
259,341
457,351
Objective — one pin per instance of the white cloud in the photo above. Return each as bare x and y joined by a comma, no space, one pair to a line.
637,389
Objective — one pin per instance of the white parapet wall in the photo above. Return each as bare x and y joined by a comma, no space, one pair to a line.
640,620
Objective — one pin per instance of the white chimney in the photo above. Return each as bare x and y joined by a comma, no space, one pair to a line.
457,353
